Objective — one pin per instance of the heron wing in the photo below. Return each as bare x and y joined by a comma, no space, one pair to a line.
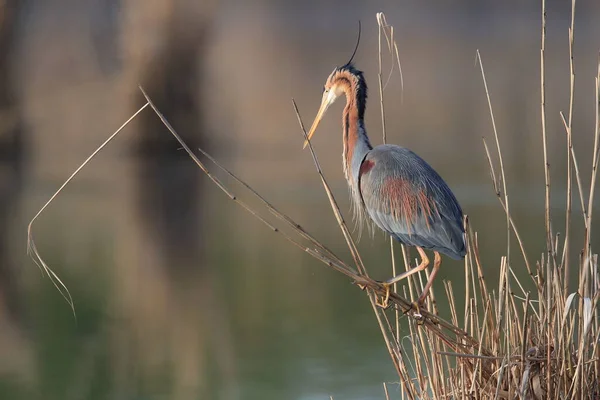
405,197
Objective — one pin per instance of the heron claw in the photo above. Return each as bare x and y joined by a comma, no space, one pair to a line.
361,283
384,303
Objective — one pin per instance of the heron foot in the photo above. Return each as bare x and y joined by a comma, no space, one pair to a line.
384,302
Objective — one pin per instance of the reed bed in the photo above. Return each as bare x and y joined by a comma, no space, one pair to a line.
508,342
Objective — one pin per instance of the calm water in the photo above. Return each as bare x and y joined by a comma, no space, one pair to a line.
179,293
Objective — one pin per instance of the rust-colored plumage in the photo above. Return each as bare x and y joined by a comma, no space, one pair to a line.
396,188
365,167
406,202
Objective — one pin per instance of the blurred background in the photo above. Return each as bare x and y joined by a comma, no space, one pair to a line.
179,293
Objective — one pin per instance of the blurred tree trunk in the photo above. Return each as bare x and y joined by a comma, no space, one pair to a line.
170,192
15,353
11,153
170,203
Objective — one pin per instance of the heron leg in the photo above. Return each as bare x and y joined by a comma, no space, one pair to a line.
388,283
422,265
437,261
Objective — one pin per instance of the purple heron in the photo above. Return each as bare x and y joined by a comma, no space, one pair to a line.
397,189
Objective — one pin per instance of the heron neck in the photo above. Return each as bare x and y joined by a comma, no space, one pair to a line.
356,141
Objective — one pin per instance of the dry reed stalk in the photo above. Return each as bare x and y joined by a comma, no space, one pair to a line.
565,255
548,217
31,246
382,27
392,48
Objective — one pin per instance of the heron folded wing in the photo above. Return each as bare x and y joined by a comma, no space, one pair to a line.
406,198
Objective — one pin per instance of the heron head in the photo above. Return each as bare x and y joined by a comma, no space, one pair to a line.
338,83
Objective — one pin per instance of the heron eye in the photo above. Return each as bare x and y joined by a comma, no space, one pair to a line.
324,89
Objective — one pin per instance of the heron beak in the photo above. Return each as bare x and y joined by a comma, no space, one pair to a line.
328,98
